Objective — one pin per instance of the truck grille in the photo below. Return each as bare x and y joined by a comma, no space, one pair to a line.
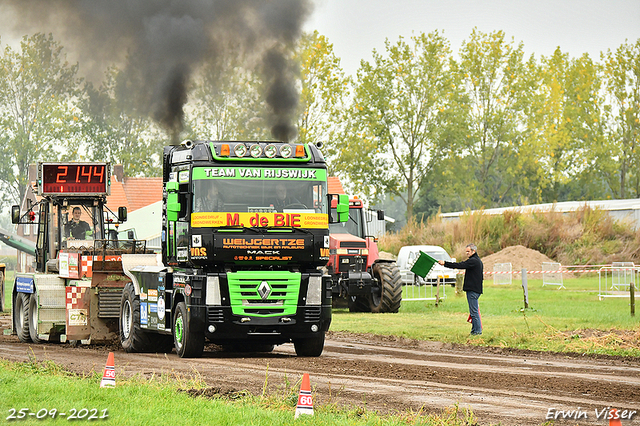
247,288
109,303
312,314
351,263
215,315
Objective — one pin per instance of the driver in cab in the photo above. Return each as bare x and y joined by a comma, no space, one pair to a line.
282,200
77,229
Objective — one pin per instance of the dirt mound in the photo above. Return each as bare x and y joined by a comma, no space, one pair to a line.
519,256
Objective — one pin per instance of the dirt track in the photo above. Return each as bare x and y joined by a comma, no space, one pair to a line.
507,387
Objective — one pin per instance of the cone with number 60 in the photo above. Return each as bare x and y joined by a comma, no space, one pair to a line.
305,400
109,375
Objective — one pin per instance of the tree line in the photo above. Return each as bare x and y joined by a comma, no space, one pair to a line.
485,126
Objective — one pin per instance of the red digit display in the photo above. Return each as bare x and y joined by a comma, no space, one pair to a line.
74,178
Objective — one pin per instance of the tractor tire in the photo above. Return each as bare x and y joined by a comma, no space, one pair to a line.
309,347
33,319
132,337
390,296
358,304
21,317
188,343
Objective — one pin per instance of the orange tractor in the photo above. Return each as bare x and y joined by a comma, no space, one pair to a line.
359,275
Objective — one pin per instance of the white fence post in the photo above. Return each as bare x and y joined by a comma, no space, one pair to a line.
552,274
622,275
502,274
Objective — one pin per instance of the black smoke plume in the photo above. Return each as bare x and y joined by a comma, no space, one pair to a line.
166,40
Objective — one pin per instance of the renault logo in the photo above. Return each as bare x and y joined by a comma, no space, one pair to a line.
264,290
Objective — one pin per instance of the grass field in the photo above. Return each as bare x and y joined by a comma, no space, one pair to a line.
42,387
571,319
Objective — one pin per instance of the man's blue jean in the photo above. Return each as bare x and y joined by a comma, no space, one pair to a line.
474,311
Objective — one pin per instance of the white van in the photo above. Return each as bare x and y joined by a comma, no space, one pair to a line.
408,255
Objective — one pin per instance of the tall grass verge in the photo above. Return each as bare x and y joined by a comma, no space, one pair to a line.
584,236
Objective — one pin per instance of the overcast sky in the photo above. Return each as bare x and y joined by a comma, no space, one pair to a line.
356,27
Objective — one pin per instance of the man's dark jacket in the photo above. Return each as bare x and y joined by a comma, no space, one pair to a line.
474,272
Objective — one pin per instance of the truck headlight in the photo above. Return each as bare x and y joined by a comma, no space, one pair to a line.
314,290
213,291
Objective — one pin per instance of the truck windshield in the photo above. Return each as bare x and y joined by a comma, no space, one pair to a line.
229,194
353,226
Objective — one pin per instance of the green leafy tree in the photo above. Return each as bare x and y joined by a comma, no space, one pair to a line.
394,132
622,155
565,124
38,88
323,95
497,82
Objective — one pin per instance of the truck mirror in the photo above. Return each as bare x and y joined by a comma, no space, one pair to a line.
343,208
131,235
15,214
338,208
380,214
122,214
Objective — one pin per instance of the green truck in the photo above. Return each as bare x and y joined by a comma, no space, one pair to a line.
244,235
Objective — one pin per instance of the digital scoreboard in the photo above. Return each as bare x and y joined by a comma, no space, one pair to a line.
74,178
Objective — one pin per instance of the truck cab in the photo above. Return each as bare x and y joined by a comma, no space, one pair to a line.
244,235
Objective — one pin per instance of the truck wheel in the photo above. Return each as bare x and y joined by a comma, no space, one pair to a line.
132,337
188,344
33,319
390,296
21,317
312,346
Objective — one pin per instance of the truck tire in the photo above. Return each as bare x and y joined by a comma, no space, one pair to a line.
188,343
310,347
132,337
21,317
33,319
390,296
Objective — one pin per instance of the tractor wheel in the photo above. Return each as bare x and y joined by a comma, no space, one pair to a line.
21,317
188,344
358,304
132,337
310,347
33,319
389,298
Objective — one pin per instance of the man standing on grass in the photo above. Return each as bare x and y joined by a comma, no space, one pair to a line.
472,284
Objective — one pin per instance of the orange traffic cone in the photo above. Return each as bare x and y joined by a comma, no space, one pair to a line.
109,375
614,421
305,401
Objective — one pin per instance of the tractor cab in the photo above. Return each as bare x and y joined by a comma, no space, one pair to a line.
70,213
